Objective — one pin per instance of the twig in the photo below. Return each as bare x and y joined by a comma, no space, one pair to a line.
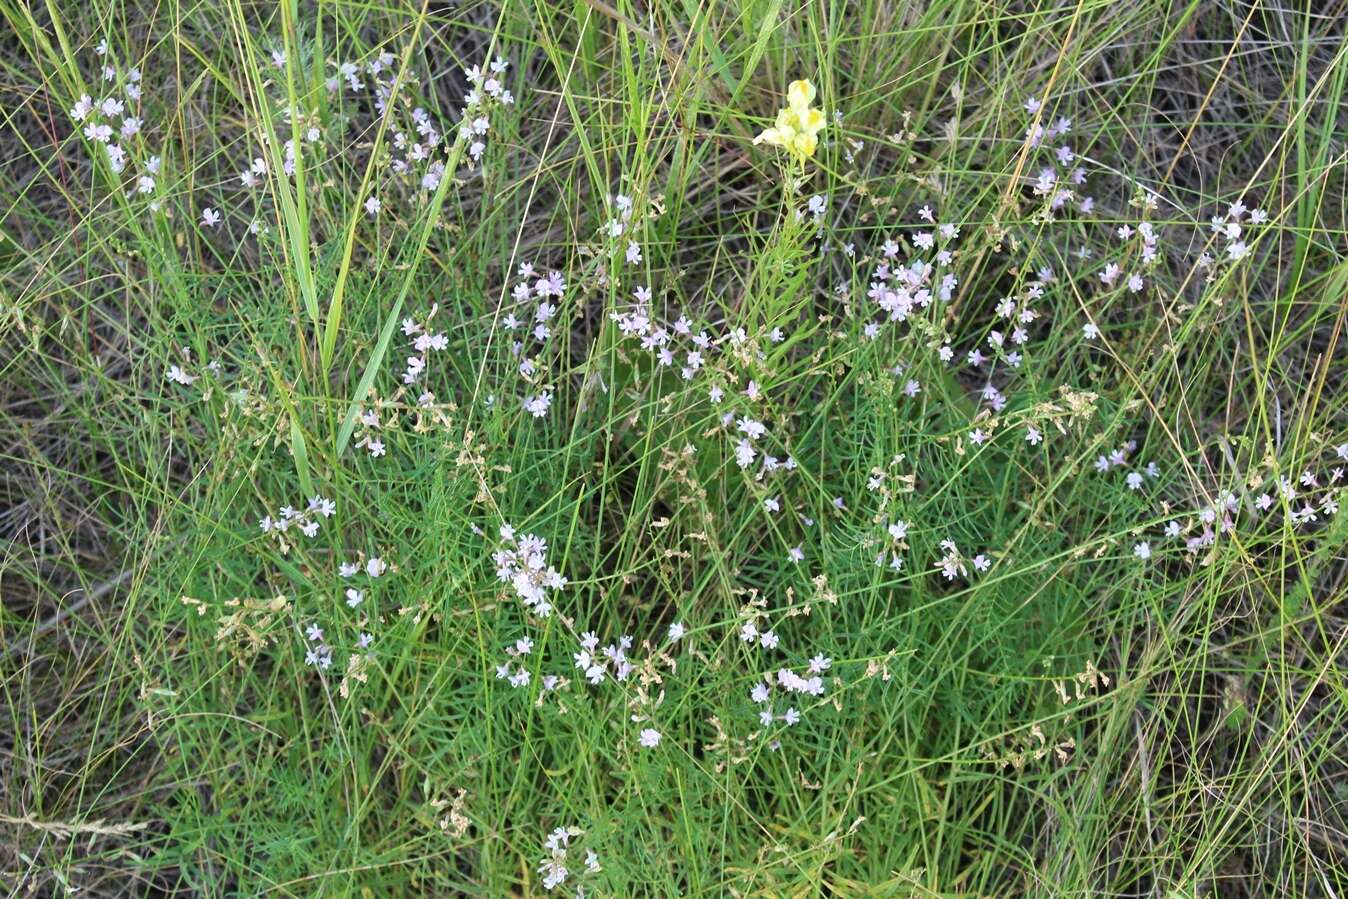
66,829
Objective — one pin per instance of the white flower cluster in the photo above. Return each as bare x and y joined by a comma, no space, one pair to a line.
115,122
789,682
899,289
1229,510
182,374
474,125
554,866
1229,227
413,145
423,343
318,653
1117,457
598,663
897,533
1019,313
953,564
778,689
1058,187
661,340
370,425
617,225
520,677
545,293
306,521
374,567
523,564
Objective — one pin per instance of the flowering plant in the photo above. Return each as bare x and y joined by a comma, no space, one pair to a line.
798,124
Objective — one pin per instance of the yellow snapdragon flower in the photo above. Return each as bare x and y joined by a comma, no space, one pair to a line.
798,126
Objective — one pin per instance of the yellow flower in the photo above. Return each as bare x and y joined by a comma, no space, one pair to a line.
798,126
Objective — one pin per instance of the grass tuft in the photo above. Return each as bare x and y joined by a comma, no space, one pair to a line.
445,453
